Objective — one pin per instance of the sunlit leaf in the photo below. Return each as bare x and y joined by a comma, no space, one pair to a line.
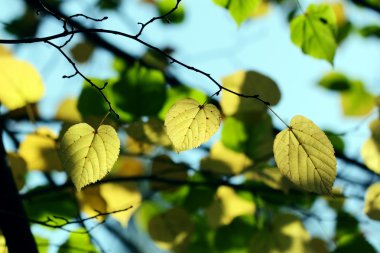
227,206
372,202
79,241
189,124
371,154
335,81
269,176
286,234
5,52
357,101
67,111
39,150
261,10
18,166
314,32
223,160
42,244
164,6
171,230
152,132
88,154
240,10
177,93
145,212
248,83
20,83
127,166
305,156
119,197
92,202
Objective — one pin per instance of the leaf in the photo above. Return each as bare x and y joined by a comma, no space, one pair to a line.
18,166
240,10
92,202
305,155
272,177
164,6
357,101
227,206
5,52
88,154
314,32
171,230
119,197
248,83
140,91
286,234
79,241
67,111
225,161
163,167
371,154
189,124
82,51
20,83
335,81
372,202
39,150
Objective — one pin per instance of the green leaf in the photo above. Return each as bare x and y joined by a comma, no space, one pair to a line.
91,102
164,6
305,156
240,10
140,92
335,81
241,228
314,32
234,134
357,101
56,203
88,154
370,31
189,124
79,241
336,141
42,244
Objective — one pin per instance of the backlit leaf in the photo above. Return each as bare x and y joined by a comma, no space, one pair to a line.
372,202
371,154
248,83
67,111
240,10
39,150
314,32
92,202
305,156
335,81
79,241
88,154
164,6
20,83
227,206
286,235
357,101
189,124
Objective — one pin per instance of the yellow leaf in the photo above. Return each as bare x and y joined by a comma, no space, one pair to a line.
286,235
172,230
68,112
92,202
225,161
272,177
136,147
20,83
5,52
227,206
127,166
189,124
371,154
340,14
18,165
248,83
39,150
121,196
88,154
372,202
305,155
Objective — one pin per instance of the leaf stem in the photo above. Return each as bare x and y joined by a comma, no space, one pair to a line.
104,118
275,114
